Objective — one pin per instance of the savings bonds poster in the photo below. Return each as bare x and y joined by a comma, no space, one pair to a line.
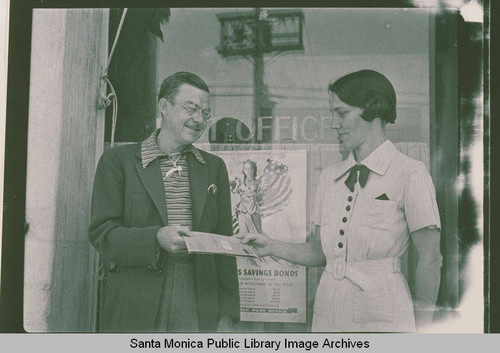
268,191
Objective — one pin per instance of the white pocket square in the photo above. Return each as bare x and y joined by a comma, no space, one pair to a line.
212,188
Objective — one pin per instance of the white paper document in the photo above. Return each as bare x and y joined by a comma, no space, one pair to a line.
209,243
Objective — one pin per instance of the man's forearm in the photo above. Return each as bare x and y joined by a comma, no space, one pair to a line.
126,246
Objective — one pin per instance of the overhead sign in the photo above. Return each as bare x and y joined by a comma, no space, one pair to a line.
281,30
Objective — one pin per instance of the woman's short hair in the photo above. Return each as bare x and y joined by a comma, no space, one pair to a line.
170,86
369,90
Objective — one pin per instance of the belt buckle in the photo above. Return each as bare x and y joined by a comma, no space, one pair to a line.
339,266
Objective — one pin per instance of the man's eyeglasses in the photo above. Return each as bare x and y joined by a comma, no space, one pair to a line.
192,111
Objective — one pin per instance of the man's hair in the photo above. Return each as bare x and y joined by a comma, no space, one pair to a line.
369,90
170,86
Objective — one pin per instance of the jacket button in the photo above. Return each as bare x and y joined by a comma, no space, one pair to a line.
340,245
344,219
342,232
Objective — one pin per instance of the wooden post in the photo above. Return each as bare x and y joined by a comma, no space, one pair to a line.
65,138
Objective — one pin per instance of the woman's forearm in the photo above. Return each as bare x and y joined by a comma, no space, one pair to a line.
305,254
427,274
427,279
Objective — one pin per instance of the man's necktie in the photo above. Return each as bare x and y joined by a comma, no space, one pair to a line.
353,176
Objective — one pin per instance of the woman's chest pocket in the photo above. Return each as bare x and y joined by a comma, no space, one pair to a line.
377,214
136,210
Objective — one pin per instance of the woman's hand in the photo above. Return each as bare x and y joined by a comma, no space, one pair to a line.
261,242
305,254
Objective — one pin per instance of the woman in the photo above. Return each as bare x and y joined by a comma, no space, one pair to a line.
368,209
247,210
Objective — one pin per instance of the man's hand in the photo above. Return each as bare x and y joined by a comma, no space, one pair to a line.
261,242
171,238
225,324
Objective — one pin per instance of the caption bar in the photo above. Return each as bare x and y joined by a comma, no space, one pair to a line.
249,343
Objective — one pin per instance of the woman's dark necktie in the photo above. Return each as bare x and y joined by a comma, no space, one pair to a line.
353,176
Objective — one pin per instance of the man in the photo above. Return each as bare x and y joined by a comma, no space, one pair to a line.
147,197
368,209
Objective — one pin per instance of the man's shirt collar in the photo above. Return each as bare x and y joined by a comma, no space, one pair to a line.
378,161
151,151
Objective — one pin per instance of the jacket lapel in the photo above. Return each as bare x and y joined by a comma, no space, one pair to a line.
152,179
198,179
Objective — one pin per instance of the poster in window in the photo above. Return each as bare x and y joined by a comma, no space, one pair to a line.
268,191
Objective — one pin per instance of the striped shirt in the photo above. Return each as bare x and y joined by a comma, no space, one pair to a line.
178,309
175,183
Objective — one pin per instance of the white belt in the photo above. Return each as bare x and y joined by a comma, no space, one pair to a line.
359,271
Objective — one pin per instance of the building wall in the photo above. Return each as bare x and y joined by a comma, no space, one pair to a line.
65,138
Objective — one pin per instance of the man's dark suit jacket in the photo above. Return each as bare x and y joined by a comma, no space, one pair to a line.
128,208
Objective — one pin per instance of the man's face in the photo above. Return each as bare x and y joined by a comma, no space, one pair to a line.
352,130
182,128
